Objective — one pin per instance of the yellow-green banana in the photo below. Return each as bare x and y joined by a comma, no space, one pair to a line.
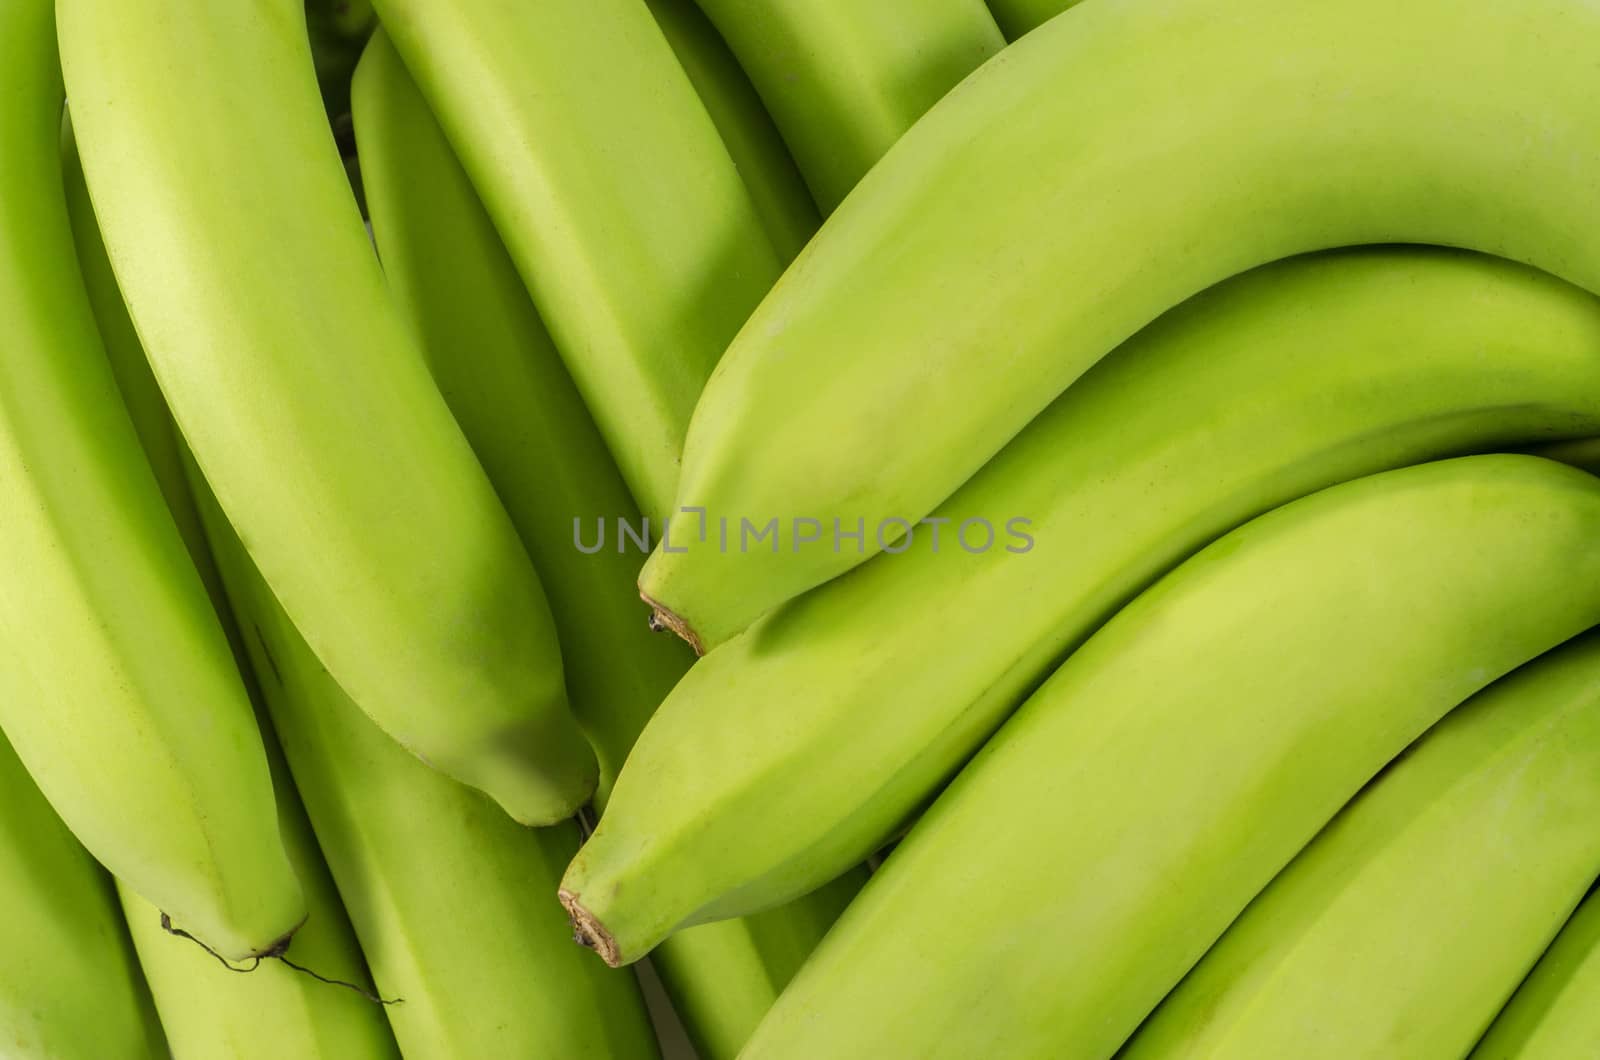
70,988
503,379
776,188
615,195
1017,17
1108,834
843,79
239,250
441,887
117,688
1555,1014
1404,927
798,748
212,1013
1091,176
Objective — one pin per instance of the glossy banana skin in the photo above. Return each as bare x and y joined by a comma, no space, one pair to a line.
117,688
776,188
642,282
70,988
1555,1014
302,393
802,746
503,379
1404,927
1109,833
439,884
966,283
844,79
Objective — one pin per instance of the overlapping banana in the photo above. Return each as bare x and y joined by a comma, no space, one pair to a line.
776,188
1110,832
70,988
1555,1014
117,688
503,379
844,79
615,196
1017,17
1032,221
302,392
799,748
1404,927
438,883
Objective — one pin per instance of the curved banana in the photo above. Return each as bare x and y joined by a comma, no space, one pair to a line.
844,79
1555,1014
441,887
800,747
301,392
502,377
615,195
1096,173
70,988
117,688
1017,17
776,188
212,1013
1404,927
1110,832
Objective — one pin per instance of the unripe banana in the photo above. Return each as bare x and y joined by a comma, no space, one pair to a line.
213,1013
1110,832
1017,17
843,79
441,887
1404,927
1555,1014
117,688
776,188
70,988
503,379
615,195
247,270
802,746
1100,171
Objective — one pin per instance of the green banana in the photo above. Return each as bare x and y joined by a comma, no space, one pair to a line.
800,747
844,79
1107,835
1017,17
615,195
69,986
300,390
1555,1014
118,690
1032,221
213,1013
776,188
1404,927
500,373
437,882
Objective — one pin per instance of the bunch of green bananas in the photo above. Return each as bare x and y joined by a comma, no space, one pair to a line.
1129,495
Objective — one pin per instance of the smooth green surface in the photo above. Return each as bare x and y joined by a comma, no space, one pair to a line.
499,371
1088,178
117,687
1407,923
801,746
1017,17
1555,1014
70,988
614,193
302,394
753,141
1108,834
844,79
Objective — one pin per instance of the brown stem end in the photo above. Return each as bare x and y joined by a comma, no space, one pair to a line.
587,931
663,617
